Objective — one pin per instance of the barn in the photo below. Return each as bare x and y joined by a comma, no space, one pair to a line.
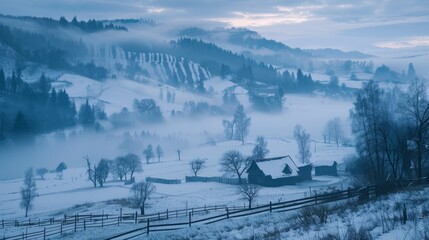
327,170
277,171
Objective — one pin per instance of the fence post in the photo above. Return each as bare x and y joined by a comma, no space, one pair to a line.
118,220
29,222
84,224
147,229
167,213
90,217
227,213
205,207
189,219
120,213
2,223
102,221
44,233
65,217
215,208
271,207
135,221
159,216
75,222
61,230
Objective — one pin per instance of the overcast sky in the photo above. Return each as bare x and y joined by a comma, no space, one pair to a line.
350,24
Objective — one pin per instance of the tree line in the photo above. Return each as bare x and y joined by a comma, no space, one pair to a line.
391,129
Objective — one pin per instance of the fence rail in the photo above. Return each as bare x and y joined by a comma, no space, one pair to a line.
72,223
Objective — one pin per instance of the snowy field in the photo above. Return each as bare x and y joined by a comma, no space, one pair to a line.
75,189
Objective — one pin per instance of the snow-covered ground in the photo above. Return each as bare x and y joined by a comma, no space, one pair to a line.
75,194
380,219
75,189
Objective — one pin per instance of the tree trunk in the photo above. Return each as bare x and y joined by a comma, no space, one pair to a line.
142,211
250,204
26,211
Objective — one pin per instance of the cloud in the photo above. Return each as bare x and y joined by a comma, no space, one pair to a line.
277,19
421,41
241,19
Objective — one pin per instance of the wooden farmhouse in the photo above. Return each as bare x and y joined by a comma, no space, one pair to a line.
277,171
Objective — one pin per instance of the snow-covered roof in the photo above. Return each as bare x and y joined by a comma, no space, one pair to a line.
276,166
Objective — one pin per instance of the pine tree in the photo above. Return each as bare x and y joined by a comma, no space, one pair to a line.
86,114
411,72
21,126
2,81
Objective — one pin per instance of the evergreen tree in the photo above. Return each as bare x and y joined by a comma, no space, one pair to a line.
43,86
86,114
2,126
21,127
411,72
13,83
225,70
2,81
63,21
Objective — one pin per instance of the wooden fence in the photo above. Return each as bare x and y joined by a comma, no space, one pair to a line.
163,181
54,228
224,180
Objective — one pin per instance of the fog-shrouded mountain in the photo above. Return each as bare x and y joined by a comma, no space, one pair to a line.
252,44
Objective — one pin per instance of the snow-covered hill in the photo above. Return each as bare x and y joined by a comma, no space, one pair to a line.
162,67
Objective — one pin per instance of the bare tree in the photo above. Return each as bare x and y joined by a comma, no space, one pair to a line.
41,172
337,131
233,162
333,131
148,153
134,164
121,167
102,171
367,118
416,109
260,150
159,152
92,174
141,192
248,192
197,165
241,123
28,191
178,153
303,140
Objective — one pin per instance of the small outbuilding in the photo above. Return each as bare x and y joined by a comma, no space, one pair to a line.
326,170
